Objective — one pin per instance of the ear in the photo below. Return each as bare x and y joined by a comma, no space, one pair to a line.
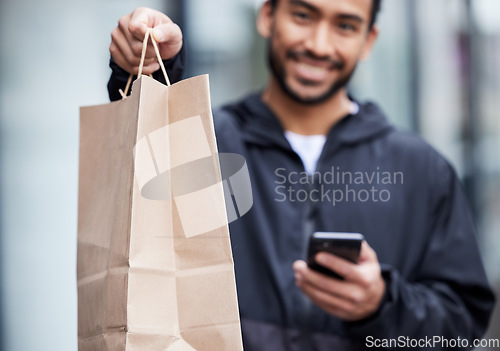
264,20
371,37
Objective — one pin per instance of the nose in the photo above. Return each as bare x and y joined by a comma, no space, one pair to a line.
320,41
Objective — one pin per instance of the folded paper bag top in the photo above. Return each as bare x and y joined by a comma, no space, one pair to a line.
154,274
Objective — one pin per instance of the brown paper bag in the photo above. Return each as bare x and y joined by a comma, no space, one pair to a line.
155,269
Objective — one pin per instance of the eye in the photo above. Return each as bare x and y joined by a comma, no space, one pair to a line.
347,27
301,16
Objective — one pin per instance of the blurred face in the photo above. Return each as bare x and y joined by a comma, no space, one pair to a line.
315,45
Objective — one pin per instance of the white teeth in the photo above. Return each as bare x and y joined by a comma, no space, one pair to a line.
311,68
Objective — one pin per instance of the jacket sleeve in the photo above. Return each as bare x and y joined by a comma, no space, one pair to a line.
118,80
450,296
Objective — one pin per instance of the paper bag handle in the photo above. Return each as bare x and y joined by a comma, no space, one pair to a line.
141,64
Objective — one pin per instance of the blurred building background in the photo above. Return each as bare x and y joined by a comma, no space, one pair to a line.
435,70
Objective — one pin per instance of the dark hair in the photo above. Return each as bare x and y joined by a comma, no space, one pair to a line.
373,15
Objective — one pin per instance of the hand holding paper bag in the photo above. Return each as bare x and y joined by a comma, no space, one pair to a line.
127,38
154,274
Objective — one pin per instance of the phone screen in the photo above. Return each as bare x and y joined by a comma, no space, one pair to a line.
345,245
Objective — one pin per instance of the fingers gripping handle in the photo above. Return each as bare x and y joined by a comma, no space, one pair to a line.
149,32
143,57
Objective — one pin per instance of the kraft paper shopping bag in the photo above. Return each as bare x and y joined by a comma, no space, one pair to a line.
155,269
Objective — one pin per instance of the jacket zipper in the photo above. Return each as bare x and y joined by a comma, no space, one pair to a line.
308,229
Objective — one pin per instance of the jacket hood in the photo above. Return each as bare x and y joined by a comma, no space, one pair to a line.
262,127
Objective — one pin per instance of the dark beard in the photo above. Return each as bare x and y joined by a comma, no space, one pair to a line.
278,70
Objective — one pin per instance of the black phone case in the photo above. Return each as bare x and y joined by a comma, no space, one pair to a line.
348,249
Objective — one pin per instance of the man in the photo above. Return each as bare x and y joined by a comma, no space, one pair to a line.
320,161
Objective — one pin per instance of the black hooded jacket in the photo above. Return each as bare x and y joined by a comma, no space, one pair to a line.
373,179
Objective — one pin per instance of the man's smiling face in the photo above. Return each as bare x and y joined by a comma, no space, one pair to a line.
315,45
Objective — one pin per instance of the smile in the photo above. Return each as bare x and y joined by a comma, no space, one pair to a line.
312,68
311,72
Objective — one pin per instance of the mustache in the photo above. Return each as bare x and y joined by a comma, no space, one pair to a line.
335,64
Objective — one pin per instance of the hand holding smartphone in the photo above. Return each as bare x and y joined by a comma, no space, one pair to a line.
345,245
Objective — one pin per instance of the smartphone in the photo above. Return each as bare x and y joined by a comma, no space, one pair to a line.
345,245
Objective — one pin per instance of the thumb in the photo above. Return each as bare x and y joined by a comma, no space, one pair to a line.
367,253
143,18
169,37
167,33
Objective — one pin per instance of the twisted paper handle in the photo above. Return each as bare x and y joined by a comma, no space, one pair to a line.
141,64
